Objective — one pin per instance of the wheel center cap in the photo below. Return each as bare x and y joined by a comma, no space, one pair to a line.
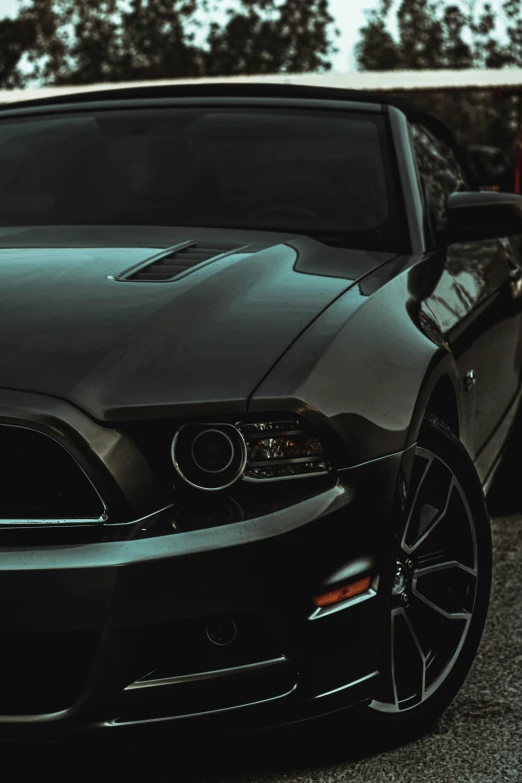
400,580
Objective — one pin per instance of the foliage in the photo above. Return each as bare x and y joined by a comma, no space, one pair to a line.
16,37
86,41
437,34
271,37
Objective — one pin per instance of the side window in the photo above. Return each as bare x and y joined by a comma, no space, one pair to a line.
439,169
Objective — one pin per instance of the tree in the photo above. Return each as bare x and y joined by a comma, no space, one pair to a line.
433,34
377,50
272,37
16,37
455,51
513,14
86,41
437,34
156,40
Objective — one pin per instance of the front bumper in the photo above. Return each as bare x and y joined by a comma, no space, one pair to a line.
112,633
93,620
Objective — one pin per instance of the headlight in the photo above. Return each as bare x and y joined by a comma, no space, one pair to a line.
214,456
282,450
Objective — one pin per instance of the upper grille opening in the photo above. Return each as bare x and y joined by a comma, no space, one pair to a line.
41,480
177,261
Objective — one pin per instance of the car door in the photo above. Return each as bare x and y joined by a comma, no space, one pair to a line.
479,284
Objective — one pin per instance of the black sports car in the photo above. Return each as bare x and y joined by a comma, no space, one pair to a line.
260,352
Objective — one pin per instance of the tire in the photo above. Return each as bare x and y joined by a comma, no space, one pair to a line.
437,612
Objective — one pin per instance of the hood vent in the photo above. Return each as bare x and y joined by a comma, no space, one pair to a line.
178,260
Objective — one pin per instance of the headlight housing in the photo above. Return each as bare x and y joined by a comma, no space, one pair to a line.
212,457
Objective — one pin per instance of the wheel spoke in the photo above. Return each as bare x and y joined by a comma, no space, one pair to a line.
434,522
452,586
445,566
429,461
430,502
418,646
462,615
393,680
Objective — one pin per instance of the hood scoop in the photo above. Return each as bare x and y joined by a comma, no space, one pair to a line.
177,261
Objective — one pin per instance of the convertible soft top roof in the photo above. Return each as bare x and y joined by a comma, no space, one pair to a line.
201,88
367,81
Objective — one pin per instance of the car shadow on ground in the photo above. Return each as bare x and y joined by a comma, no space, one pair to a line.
197,758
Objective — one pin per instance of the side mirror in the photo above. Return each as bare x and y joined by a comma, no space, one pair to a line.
478,215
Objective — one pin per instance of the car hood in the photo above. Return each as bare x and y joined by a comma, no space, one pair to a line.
200,344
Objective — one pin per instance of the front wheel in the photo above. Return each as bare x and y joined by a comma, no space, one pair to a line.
440,592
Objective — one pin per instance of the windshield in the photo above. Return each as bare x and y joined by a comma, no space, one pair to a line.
324,174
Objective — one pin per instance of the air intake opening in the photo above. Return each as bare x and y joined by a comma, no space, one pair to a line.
179,260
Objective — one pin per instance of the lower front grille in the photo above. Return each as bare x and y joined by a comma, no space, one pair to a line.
42,481
183,647
178,671
44,672
222,691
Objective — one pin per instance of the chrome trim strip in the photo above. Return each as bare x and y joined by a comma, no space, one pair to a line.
289,461
264,434
377,459
236,707
185,715
210,675
348,686
42,523
239,472
77,522
142,520
286,478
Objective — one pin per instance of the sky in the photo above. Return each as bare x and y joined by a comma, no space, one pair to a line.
348,15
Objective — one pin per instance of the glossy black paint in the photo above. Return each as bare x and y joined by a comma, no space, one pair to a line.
135,344
359,344
484,215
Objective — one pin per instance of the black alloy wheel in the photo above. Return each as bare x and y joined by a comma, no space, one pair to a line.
440,592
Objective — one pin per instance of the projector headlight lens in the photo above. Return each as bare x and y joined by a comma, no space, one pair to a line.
212,451
282,450
209,456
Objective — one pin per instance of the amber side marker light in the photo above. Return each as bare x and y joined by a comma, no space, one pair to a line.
344,592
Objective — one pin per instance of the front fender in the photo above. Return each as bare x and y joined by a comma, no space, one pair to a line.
363,372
